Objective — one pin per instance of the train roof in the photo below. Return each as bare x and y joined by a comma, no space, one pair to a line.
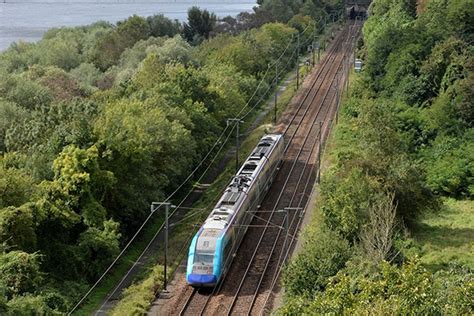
240,184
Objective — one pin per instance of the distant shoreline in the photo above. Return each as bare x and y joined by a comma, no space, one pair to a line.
27,20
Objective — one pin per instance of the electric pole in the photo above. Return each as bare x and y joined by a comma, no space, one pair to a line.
237,121
318,176
298,62
153,208
276,95
314,43
337,96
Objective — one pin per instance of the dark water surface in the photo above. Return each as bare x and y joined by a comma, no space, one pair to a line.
27,20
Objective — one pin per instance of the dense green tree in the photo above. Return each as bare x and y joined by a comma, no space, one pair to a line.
199,26
390,290
17,227
20,272
174,50
162,26
59,52
323,255
87,75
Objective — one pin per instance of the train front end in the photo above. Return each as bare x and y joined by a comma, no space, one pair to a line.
203,268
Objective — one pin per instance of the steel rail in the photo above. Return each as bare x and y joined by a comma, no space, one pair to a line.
292,232
188,301
278,270
302,174
295,215
332,50
323,69
280,196
277,238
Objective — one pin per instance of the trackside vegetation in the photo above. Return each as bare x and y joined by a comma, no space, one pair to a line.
98,121
392,232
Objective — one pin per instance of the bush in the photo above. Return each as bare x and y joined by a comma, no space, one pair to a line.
450,165
322,255
19,273
391,290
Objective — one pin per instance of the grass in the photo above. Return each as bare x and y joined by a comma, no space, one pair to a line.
447,235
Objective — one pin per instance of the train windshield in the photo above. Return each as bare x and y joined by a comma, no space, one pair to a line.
203,258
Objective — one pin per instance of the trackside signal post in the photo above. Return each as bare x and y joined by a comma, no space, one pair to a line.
155,206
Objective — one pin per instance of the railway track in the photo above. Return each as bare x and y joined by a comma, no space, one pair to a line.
252,278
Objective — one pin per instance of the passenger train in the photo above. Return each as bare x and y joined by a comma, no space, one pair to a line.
215,244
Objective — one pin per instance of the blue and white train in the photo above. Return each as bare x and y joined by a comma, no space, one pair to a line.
215,244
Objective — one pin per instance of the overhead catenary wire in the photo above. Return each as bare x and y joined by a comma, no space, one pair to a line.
264,76
218,288
145,222
275,205
168,198
162,226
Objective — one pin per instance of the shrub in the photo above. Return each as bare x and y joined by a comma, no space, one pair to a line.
323,254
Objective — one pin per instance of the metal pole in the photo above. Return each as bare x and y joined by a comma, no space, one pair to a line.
298,63
237,140
286,228
167,209
318,177
348,71
314,43
237,147
165,265
276,94
337,97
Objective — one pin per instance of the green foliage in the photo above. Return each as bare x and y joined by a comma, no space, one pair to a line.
392,290
20,272
86,74
138,297
200,25
324,253
29,305
162,26
174,50
97,246
346,199
16,186
110,44
450,165
17,227
25,92
59,52
444,237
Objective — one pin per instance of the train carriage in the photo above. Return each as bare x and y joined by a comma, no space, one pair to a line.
215,244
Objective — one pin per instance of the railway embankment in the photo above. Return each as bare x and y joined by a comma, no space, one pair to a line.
392,226
257,263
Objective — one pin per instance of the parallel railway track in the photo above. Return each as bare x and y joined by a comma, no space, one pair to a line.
250,283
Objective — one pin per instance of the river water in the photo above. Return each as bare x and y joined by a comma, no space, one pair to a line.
27,20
